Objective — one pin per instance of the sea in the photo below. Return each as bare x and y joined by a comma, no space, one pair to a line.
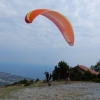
32,71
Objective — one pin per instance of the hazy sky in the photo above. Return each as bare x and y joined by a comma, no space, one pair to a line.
41,42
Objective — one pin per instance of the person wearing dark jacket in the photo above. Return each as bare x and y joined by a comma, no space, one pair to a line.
67,77
48,77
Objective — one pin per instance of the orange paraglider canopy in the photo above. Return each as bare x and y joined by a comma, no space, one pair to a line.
58,19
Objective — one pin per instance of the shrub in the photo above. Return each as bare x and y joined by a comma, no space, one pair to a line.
31,81
27,84
98,75
37,80
23,81
96,80
87,76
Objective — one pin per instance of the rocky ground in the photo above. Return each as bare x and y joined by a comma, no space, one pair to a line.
58,91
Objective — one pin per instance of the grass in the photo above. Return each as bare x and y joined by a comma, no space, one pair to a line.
5,92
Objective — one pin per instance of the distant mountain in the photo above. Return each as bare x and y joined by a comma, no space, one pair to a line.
6,78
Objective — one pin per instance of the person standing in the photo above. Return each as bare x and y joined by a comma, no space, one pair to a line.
68,77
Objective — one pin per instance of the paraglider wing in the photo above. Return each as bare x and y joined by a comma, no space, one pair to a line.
58,19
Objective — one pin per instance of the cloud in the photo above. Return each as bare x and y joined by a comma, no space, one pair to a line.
21,40
6,10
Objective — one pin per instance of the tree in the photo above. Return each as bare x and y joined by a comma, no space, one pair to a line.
88,76
96,67
75,74
60,70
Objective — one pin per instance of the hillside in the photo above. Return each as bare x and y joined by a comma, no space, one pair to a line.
7,78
